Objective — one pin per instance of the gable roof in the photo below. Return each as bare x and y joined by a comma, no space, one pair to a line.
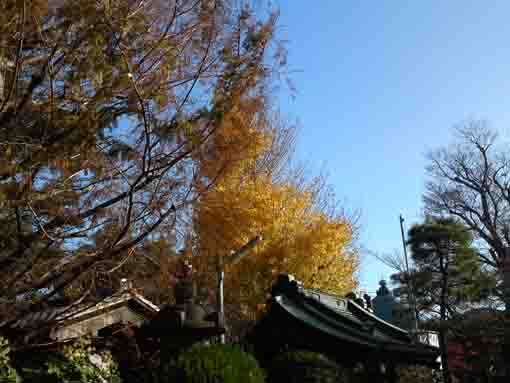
341,321
62,315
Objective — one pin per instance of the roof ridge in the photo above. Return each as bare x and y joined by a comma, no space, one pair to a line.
358,307
376,318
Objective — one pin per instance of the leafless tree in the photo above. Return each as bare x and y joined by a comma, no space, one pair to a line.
470,180
394,260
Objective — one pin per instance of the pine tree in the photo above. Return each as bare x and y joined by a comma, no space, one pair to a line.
446,274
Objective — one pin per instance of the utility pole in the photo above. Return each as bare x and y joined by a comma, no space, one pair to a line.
506,280
412,304
230,260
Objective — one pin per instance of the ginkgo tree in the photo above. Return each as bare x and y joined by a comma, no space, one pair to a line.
301,236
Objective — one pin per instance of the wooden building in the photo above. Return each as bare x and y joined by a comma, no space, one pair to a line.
306,319
64,323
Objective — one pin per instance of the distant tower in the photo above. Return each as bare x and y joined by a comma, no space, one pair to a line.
384,303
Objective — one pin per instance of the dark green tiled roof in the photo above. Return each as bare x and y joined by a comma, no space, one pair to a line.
344,321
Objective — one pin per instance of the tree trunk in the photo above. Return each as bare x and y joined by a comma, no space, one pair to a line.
443,345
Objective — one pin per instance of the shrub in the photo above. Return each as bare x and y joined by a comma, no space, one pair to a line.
7,373
417,374
304,366
211,364
81,363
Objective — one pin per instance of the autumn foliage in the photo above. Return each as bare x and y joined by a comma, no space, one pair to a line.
107,110
129,128
301,236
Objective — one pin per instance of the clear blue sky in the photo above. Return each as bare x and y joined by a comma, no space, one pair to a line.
381,82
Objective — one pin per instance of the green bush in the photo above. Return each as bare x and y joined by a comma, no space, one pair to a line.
212,364
304,366
81,363
416,374
7,373
77,362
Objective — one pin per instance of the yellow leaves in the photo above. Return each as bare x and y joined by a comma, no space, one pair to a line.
237,143
300,241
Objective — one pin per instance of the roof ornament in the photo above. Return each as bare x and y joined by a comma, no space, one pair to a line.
125,284
383,290
286,283
368,301
342,304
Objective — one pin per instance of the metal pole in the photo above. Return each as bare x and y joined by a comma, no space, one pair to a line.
220,298
506,298
233,258
411,290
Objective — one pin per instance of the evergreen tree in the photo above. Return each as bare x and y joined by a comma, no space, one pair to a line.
446,273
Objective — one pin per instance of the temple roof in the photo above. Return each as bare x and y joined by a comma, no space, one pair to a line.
341,321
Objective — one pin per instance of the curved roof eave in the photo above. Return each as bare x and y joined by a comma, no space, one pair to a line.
312,317
304,316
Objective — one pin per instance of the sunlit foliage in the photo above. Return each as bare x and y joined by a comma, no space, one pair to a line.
301,237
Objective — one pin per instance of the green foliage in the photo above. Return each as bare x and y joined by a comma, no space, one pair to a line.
446,266
304,366
82,364
416,374
7,373
211,364
447,276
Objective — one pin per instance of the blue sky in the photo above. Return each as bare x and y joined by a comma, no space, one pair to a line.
381,82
